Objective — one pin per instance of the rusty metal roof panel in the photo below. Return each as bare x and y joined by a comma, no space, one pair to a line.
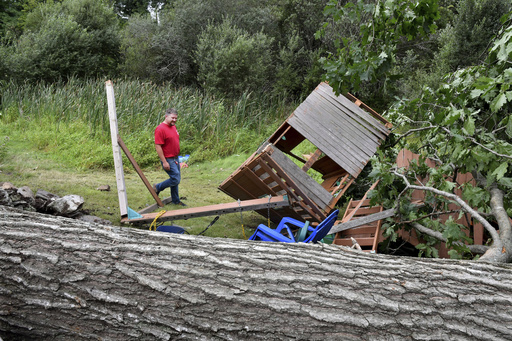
339,128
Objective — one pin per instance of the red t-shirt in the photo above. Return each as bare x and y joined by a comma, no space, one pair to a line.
169,138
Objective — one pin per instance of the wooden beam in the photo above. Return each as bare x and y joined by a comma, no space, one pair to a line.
337,197
118,159
375,114
290,187
347,218
151,208
312,160
139,171
362,221
194,212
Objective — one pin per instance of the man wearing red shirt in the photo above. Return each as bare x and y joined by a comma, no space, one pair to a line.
167,145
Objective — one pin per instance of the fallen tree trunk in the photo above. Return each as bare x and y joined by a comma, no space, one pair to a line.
64,279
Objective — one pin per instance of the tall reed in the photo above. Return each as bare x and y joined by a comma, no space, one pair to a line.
209,126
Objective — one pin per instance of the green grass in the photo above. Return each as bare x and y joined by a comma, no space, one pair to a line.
57,138
72,121
25,166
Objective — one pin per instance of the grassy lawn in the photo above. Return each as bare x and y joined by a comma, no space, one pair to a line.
22,165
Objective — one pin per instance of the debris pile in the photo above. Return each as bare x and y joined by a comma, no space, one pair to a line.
45,202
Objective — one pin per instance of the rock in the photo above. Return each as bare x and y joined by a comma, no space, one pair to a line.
67,206
104,188
43,199
27,195
23,205
8,185
44,195
5,199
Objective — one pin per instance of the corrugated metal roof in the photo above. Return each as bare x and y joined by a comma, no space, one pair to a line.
339,128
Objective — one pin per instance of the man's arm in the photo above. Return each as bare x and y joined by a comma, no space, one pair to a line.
160,153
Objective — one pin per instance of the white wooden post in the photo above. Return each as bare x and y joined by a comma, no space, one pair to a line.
118,158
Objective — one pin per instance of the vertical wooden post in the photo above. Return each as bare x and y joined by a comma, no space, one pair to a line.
118,158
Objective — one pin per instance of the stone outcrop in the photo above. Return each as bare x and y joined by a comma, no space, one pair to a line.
45,202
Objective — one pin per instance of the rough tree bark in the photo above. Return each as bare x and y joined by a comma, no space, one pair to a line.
62,279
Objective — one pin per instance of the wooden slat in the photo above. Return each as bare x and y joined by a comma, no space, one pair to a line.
118,158
357,110
310,187
362,241
336,146
332,109
277,179
194,212
364,202
361,221
312,160
373,129
353,137
343,183
375,114
264,187
349,122
290,191
363,211
337,197
359,231
349,217
306,202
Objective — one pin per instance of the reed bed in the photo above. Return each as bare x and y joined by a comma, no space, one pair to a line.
71,120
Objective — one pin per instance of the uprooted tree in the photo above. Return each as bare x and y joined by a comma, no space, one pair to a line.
63,279
465,126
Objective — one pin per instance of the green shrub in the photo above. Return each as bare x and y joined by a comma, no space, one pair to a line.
61,40
231,61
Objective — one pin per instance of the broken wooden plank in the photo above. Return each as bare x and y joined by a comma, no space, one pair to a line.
309,186
139,171
316,155
305,201
375,114
203,211
361,221
153,207
354,210
118,158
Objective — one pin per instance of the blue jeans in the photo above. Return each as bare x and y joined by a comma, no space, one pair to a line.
173,181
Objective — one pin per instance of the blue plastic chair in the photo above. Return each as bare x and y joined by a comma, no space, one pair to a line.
171,229
305,234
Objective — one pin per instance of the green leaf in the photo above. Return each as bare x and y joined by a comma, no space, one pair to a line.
454,254
498,102
509,126
469,126
476,93
452,117
500,171
505,182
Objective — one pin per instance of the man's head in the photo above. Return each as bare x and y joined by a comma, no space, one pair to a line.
171,115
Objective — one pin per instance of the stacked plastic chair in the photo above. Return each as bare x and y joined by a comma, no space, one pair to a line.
305,233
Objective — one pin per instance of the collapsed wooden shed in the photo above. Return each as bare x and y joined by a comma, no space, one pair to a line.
345,132
369,234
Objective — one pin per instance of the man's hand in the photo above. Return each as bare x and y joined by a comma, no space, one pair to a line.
166,165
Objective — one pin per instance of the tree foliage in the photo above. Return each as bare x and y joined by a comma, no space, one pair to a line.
159,40
72,38
372,56
231,61
464,125
477,22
